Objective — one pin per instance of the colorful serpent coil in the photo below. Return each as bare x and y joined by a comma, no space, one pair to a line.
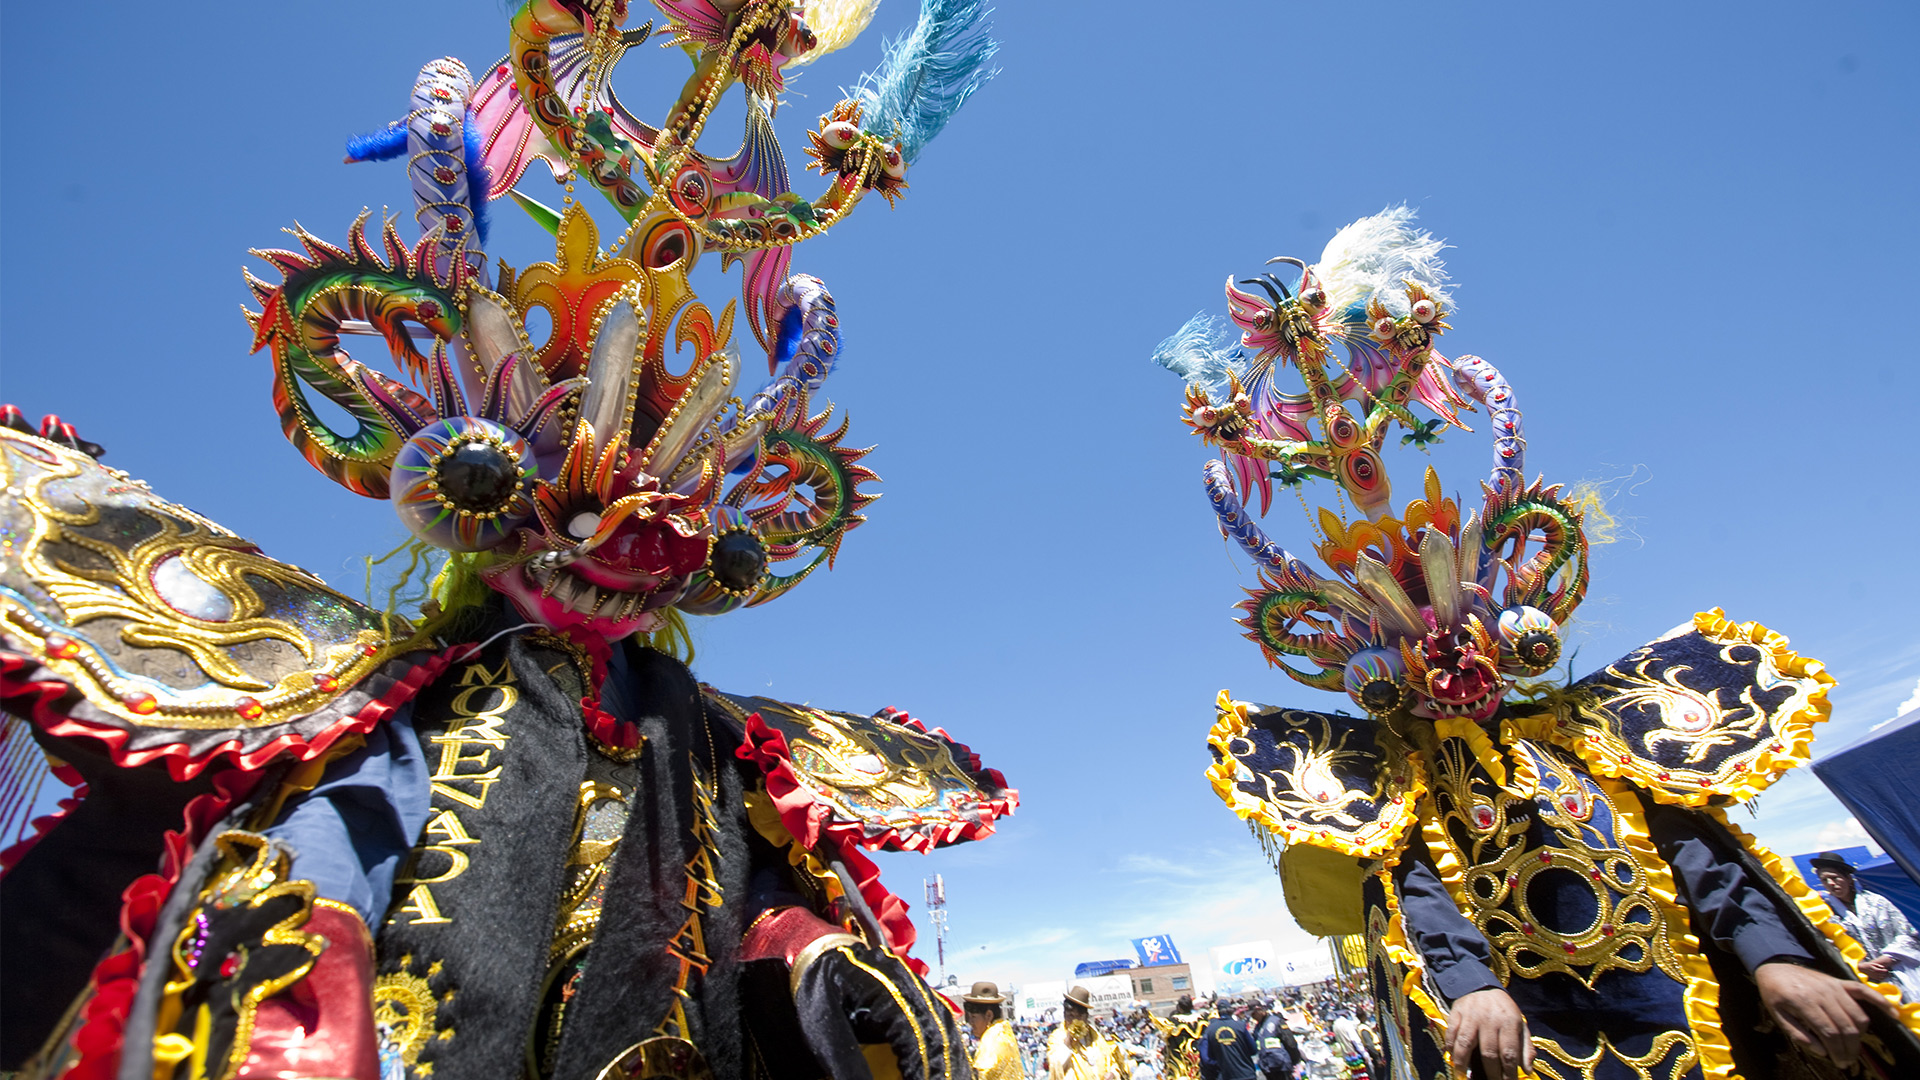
1425,610
600,486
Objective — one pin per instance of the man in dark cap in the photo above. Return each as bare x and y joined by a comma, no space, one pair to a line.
1273,1044
1882,929
1226,1050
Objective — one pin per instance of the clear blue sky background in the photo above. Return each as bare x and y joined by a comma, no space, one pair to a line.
1685,232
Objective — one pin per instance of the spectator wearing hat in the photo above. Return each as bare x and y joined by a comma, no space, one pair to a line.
1273,1044
1880,928
996,1055
1079,1051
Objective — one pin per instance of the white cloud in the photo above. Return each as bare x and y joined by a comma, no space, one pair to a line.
1221,897
1847,833
1907,706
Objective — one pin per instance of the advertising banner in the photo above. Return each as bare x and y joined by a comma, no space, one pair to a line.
1039,1001
1247,966
1156,950
1302,967
1109,993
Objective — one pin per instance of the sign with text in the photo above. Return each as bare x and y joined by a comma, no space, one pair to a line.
1247,966
1156,950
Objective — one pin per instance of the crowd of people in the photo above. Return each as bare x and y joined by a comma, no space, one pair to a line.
1322,1032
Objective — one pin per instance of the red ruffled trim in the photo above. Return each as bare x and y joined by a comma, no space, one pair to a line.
39,701
606,728
110,993
103,1019
808,819
889,910
811,821
44,824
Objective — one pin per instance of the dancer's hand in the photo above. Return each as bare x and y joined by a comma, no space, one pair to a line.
1824,1015
1880,967
1488,1021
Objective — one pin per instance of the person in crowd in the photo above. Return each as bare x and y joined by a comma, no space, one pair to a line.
1226,1048
996,1055
1275,1051
1180,1035
1077,1050
1883,930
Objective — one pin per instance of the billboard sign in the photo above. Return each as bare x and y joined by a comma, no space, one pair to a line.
1247,966
1109,993
1303,967
1039,1001
1156,950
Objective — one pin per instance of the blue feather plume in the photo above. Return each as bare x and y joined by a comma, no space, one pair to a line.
1202,353
787,342
388,142
478,181
926,76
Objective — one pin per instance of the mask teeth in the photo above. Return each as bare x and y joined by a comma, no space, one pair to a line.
552,582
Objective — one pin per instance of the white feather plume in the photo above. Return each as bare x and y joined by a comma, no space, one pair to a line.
1374,255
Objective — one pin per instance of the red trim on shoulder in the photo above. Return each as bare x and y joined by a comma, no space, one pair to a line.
811,821
110,993
782,933
888,909
39,700
808,819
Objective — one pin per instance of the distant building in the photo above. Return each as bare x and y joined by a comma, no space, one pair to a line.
1160,986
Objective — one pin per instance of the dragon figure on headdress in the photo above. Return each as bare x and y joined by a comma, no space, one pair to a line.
1557,855
511,835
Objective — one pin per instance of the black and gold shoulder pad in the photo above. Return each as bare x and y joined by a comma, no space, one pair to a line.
1337,782
1712,712
144,625
880,781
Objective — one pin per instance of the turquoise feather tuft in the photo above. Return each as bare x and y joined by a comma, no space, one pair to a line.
1202,353
927,75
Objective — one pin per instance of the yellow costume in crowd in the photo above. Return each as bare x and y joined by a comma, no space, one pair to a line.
1079,1051
998,1055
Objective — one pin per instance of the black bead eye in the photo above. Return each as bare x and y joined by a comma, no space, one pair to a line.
1380,696
1537,650
738,561
477,477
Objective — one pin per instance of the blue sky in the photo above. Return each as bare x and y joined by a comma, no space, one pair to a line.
1684,232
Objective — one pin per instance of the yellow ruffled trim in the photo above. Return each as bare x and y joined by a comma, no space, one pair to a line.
1446,862
1819,913
1609,756
765,819
1387,832
1702,995
1413,987
1477,738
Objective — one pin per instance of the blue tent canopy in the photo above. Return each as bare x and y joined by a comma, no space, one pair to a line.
1093,968
1877,778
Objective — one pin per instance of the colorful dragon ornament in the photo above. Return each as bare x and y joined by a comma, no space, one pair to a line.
513,835
1566,845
